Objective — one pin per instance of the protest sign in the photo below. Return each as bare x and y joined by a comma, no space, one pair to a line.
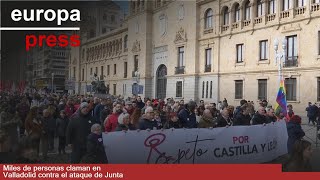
236,144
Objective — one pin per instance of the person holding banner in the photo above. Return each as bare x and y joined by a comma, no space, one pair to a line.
223,119
260,116
187,116
147,121
124,123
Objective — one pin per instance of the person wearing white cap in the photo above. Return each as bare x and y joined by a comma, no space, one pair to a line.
78,131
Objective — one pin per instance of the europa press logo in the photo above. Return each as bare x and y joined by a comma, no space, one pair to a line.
59,16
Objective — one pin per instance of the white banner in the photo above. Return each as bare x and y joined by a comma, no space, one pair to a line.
236,144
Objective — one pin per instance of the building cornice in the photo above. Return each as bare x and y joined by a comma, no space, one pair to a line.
106,36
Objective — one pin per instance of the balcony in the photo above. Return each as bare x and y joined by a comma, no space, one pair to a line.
179,70
207,68
224,28
315,7
207,31
235,25
246,23
257,20
300,10
271,17
291,62
285,14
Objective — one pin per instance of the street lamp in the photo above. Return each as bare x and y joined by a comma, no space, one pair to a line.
52,76
280,56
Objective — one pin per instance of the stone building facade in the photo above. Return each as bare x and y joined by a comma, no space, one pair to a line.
210,49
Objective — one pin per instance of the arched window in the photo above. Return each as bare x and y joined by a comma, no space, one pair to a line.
260,9
125,43
237,13
272,7
208,18
247,7
300,3
226,16
286,5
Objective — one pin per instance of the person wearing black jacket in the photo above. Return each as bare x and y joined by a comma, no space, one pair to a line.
62,124
173,122
147,121
295,131
223,119
260,116
78,131
242,118
95,149
270,115
187,117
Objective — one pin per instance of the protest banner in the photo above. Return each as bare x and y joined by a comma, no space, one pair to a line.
236,144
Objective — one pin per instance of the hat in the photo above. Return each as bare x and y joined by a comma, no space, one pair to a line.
128,103
84,105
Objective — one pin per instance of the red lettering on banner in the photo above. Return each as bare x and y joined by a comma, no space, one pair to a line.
240,139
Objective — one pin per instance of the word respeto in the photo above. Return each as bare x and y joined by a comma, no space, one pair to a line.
48,14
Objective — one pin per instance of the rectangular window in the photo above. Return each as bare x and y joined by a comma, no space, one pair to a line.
247,15
115,69
237,14
263,50
90,71
272,7
96,72
262,89
208,57
239,53
102,71
108,70
286,5
318,89
114,89
104,30
260,9
74,72
238,89
292,51
136,63
203,89
210,89
301,3
226,18
207,89
181,56
125,70
82,74
319,42
179,89
291,89
208,60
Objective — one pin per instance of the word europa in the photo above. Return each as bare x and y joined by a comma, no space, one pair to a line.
52,40
49,15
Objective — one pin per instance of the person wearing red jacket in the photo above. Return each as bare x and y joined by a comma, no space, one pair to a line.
112,122
69,108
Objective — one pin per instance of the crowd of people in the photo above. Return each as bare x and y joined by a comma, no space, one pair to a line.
79,120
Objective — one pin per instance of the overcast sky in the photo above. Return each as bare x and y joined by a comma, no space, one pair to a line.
123,4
